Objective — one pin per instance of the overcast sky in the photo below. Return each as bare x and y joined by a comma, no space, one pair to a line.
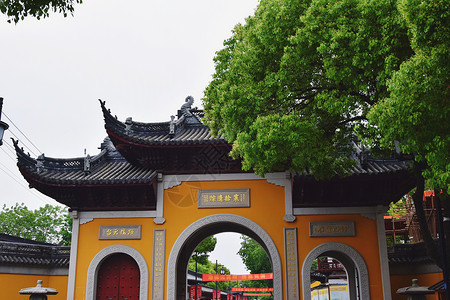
142,57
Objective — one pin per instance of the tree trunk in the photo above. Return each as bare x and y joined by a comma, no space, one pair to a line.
417,197
445,200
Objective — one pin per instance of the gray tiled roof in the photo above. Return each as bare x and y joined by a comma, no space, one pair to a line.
186,130
30,254
108,167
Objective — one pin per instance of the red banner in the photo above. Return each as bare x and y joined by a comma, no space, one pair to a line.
217,277
216,295
257,294
252,289
192,292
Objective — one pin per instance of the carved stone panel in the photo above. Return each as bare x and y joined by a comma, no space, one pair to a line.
291,263
159,243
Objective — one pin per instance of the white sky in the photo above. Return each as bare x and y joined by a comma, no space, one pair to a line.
142,57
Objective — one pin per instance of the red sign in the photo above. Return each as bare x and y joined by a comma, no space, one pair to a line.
192,292
216,294
252,289
217,277
257,294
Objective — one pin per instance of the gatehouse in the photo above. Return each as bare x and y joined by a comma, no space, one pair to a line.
156,190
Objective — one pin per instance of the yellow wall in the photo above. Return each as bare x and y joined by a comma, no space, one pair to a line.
11,284
267,210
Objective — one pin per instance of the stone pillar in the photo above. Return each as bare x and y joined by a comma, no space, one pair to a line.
38,292
415,292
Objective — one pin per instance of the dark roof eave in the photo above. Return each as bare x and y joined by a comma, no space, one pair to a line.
33,180
123,139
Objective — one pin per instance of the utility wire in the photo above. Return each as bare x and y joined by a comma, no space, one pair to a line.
23,135
25,187
8,154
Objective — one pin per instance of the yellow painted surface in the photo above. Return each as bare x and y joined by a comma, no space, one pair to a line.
11,284
267,210
401,281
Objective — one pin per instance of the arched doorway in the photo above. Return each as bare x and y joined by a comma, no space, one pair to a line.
199,230
355,267
118,278
110,251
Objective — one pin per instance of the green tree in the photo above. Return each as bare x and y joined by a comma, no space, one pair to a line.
302,80
417,110
295,83
199,261
50,224
256,260
17,10
202,251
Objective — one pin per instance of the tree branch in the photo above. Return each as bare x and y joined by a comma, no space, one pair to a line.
356,118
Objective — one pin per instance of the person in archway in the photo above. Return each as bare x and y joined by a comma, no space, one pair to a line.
204,298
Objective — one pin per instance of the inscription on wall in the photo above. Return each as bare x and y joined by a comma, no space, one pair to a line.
291,263
159,244
223,198
337,228
119,232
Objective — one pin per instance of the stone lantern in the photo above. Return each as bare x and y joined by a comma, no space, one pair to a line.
415,292
38,292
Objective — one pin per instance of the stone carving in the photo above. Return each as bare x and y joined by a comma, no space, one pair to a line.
172,126
186,107
214,220
87,165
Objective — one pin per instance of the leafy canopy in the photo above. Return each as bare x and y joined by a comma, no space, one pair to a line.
203,249
50,224
17,10
417,109
302,79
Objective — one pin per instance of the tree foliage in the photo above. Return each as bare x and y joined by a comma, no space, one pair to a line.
294,84
17,10
256,260
302,80
50,224
203,249
199,261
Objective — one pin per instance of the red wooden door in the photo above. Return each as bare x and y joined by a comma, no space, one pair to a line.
118,278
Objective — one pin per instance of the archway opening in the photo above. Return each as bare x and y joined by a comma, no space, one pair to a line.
329,279
230,266
350,260
192,236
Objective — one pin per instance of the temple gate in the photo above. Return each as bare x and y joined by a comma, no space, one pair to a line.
156,190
